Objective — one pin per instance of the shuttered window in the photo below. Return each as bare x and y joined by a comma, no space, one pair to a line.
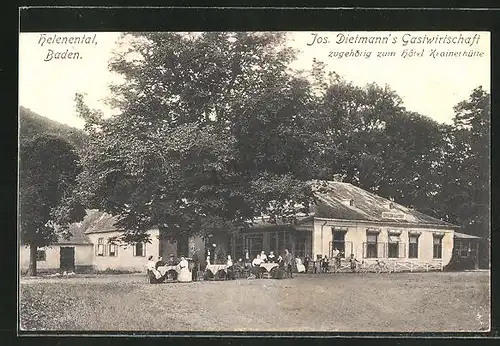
413,246
100,247
139,250
437,248
112,249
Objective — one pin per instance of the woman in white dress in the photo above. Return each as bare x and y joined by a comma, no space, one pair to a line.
300,267
184,273
154,275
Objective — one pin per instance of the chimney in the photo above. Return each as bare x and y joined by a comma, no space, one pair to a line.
337,177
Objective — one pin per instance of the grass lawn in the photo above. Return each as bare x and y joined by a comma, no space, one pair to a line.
401,302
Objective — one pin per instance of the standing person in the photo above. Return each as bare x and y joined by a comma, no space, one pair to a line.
338,260
306,263
280,272
184,274
335,252
230,268
324,264
288,263
196,262
353,262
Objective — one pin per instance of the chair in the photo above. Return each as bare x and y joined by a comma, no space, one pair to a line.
199,275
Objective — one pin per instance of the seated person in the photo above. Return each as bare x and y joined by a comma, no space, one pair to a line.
272,258
184,273
280,272
300,267
153,274
221,275
160,262
208,275
256,269
172,261
263,256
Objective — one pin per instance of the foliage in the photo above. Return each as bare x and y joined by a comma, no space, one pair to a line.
32,124
47,173
207,136
215,129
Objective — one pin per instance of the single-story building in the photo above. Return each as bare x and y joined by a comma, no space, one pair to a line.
73,255
346,219
354,221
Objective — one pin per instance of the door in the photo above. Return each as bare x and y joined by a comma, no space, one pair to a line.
67,259
183,246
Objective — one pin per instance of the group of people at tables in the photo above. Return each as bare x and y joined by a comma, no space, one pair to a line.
177,270
278,266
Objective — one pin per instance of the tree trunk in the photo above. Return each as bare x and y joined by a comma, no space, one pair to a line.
32,266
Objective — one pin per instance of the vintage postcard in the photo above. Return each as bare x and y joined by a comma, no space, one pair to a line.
254,181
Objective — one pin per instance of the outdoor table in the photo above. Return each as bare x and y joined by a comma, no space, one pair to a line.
164,269
214,268
268,266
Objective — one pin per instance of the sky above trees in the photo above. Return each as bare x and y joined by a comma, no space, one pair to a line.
431,87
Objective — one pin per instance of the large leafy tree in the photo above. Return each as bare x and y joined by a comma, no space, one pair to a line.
48,169
465,174
366,133
209,135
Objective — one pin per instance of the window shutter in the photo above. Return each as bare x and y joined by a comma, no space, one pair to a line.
116,250
143,249
133,249
96,247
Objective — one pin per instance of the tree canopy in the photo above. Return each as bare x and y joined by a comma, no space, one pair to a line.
209,135
48,169
214,129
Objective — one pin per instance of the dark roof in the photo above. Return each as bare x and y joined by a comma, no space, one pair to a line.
78,236
367,206
99,222
464,236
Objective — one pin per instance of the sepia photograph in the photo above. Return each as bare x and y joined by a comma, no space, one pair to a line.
254,181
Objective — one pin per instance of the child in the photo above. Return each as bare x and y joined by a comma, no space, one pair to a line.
353,261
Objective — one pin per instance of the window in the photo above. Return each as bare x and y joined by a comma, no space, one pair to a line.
253,243
437,249
464,249
100,247
139,250
112,249
339,241
41,255
413,246
393,246
371,245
